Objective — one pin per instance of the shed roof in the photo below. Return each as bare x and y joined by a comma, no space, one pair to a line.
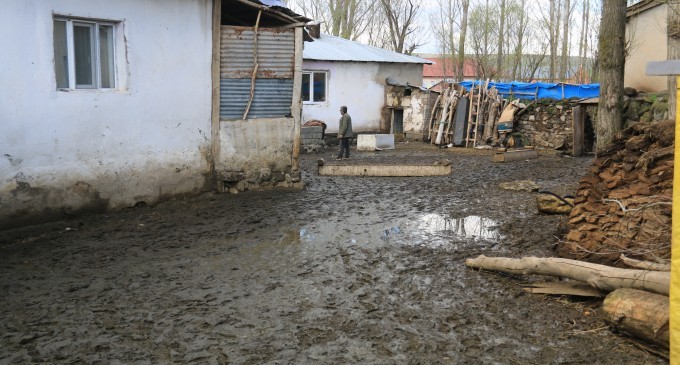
331,48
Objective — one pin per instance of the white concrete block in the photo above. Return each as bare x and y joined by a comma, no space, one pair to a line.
372,142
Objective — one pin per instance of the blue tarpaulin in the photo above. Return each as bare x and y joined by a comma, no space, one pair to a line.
540,90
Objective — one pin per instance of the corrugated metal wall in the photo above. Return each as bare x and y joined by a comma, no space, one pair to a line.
272,98
274,82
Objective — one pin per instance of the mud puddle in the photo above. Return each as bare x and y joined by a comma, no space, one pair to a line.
348,270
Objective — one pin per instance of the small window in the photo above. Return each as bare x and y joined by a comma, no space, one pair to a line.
314,87
84,54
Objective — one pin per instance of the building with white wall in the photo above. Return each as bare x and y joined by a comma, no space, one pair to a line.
116,103
646,39
339,72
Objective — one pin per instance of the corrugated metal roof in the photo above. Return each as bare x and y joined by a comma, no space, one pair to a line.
330,48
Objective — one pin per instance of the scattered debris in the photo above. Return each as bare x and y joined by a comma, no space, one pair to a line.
520,185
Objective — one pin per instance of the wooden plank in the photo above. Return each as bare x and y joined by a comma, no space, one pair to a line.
515,155
565,288
385,170
579,120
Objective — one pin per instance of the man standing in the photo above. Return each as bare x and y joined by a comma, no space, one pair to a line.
344,133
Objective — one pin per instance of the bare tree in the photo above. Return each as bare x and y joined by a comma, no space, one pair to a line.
565,41
342,18
501,39
442,22
460,65
517,28
612,46
480,31
583,43
401,16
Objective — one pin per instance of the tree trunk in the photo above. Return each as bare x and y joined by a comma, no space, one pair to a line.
673,42
519,50
639,313
599,276
501,29
461,42
611,59
552,40
565,41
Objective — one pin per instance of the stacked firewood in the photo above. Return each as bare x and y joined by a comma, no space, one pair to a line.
623,206
478,119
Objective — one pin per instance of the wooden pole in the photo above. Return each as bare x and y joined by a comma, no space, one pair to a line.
215,76
675,246
296,107
254,77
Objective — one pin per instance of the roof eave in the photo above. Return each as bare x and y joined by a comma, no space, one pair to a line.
641,7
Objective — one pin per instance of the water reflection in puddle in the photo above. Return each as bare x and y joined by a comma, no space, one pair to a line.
473,226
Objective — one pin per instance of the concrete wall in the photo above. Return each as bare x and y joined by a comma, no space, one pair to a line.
646,33
63,151
359,86
257,153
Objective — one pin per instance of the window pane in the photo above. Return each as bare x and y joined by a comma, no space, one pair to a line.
305,87
319,86
106,56
83,47
60,54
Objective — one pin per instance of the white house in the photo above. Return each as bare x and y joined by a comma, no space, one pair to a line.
339,72
108,104
646,39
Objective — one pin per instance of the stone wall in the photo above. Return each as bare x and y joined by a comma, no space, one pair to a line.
548,123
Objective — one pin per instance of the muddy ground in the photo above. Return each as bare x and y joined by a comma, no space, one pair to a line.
347,270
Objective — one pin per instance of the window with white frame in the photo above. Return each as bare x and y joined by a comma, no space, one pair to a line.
84,54
314,86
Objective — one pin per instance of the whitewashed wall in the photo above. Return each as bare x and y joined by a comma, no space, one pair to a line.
65,151
361,87
646,34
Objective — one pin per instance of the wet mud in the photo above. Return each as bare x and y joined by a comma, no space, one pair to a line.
347,270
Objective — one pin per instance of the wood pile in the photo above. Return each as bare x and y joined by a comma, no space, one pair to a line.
623,205
478,120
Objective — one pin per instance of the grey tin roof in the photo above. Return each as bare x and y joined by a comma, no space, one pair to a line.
330,48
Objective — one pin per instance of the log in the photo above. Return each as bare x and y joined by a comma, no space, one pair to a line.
550,204
645,265
641,314
599,276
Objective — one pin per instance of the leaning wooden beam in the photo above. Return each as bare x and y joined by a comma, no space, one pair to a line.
645,265
639,313
385,170
254,77
599,276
